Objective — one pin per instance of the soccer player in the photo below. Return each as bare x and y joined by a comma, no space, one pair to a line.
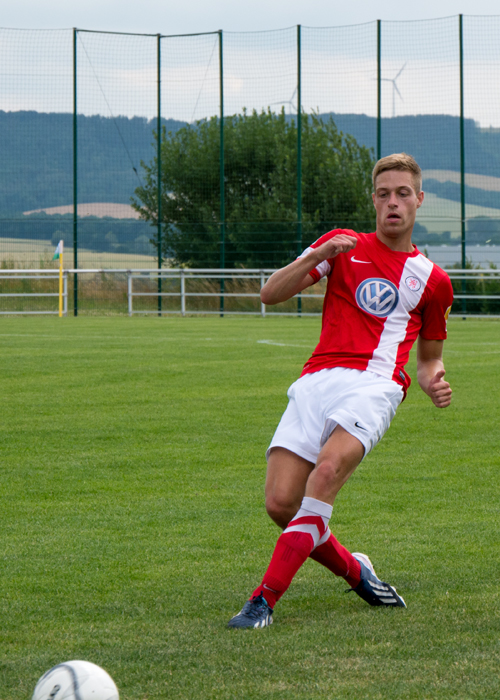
382,294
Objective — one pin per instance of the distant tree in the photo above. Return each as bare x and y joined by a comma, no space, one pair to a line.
483,229
260,169
419,234
111,240
142,246
61,236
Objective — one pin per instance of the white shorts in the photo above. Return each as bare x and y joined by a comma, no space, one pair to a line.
361,402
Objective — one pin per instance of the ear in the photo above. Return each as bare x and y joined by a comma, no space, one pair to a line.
420,198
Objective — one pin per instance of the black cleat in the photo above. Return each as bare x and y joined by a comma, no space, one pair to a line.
372,589
255,613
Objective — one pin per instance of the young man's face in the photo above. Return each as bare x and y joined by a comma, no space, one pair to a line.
396,203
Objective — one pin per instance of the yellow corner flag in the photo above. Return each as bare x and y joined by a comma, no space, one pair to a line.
58,255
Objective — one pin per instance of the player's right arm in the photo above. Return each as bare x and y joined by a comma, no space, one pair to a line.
292,279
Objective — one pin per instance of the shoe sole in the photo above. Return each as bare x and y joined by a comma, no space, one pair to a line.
258,625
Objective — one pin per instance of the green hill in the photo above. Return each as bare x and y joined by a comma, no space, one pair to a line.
37,158
37,166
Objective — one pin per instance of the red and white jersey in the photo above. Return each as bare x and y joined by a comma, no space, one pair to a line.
377,302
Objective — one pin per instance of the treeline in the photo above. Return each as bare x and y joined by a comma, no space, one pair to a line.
473,195
479,231
37,158
37,154
138,237
98,234
433,140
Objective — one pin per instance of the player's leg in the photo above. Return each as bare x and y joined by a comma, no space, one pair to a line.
286,479
336,462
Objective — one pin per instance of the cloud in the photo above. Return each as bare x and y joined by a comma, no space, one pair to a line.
117,74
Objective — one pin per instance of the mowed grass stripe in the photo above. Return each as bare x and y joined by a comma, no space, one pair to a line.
133,522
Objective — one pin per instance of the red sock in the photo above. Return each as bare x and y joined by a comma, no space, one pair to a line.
338,559
291,551
293,548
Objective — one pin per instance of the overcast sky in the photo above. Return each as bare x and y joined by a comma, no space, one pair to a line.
180,17
117,74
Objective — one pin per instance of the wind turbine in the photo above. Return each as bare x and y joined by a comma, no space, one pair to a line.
395,89
287,102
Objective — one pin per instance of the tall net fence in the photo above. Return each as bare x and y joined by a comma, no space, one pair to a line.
237,150
420,87
260,137
35,140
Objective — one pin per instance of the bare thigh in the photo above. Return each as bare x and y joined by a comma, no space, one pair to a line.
286,480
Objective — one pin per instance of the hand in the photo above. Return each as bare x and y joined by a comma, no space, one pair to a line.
439,390
338,244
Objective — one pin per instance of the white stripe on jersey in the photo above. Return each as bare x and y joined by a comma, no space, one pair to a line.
383,360
324,268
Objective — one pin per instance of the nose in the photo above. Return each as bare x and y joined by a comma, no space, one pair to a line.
393,200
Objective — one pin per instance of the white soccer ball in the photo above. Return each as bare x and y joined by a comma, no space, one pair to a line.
76,680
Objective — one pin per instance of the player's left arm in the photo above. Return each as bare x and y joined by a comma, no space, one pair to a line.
430,371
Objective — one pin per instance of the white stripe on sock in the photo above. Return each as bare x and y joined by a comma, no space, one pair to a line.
307,528
325,537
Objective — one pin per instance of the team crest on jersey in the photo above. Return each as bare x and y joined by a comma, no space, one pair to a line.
377,296
413,283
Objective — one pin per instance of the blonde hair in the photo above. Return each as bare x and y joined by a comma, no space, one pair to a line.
402,162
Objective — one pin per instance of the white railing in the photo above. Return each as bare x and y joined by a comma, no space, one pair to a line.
36,275
185,275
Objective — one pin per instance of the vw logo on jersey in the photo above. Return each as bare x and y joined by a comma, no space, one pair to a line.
376,296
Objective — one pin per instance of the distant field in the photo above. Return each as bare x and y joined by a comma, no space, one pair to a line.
117,211
439,215
133,522
483,182
31,253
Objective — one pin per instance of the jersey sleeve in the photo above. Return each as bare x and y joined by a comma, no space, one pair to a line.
436,311
326,266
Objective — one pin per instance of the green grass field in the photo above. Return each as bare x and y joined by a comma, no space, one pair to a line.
133,524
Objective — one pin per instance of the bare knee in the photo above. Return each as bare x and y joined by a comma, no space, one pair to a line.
281,510
337,460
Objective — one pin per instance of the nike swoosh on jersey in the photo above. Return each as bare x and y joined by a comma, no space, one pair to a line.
365,262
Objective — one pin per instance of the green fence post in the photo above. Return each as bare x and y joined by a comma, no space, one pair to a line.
299,155
158,157
221,174
379,89
462,156
75,179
